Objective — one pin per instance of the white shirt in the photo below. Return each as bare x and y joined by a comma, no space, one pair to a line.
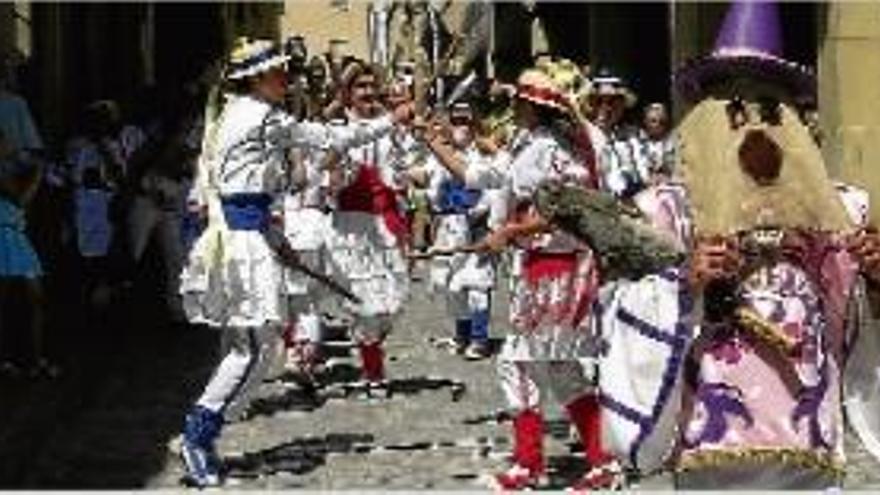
93,228
254,137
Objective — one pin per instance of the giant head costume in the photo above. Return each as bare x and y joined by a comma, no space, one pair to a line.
746,157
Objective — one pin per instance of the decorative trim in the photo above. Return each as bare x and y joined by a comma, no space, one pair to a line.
768,332
762,455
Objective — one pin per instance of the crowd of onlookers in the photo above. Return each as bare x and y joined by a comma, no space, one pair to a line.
115,189
94,204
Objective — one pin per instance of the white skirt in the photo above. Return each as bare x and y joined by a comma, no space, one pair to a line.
461,271
550,309
244,291
306,230
366,257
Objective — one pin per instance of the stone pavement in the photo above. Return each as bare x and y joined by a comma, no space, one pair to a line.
429,435
112,422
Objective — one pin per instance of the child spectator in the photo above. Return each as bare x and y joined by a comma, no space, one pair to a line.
93,228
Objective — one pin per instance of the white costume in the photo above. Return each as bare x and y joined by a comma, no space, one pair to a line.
306,224
366,240
366,244
463,217
554,285
243,292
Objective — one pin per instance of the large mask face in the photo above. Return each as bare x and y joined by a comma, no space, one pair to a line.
748,161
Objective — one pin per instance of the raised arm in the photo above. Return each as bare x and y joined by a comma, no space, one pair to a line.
283,129
448,158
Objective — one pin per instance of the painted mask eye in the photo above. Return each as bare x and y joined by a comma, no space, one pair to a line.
736,112
771,110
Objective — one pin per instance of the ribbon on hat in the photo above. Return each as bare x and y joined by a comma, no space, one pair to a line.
529,91
254,60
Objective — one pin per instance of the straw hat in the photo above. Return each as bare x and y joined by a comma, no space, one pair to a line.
537,87
252,57
605,83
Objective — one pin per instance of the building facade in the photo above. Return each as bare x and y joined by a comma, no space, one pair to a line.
70,53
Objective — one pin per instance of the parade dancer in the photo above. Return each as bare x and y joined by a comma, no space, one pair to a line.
233,279
369,234
462,216
554,285
306,222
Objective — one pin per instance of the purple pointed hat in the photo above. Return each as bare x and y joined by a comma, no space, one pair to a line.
750,44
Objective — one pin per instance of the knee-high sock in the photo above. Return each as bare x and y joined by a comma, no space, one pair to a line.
463,329
585,413
289,334
528,440
480,326
372,360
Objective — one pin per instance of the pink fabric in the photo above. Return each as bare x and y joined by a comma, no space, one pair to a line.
750,394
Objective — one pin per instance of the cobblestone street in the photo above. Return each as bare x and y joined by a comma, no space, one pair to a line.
113,423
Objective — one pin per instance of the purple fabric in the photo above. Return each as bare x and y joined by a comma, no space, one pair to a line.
719,400
753,29
753,26
809,402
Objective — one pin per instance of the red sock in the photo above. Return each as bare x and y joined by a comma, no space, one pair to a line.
585,413
372,359
528,440
289,334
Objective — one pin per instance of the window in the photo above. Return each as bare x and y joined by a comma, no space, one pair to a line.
22,30
340,5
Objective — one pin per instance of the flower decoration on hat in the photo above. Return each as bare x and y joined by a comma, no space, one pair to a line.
537,87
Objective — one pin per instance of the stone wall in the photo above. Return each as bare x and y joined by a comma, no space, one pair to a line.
849,94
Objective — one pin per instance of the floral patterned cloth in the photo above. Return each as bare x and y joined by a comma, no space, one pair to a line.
554,277
763,389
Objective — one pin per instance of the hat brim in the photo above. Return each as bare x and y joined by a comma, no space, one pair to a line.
544,102
694,78
264,66
629,98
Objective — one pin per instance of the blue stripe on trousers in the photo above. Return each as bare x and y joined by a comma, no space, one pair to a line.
254,346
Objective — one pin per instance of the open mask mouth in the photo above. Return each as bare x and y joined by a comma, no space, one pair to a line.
760,157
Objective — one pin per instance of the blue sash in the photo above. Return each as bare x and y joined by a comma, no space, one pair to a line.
455,198
246,211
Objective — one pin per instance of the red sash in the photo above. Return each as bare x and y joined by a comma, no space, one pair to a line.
369,194
539,265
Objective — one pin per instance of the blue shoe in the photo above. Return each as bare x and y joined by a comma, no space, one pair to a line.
462,335
200,431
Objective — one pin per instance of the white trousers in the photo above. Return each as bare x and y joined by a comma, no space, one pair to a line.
306,318
242,369
527,384
463,303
